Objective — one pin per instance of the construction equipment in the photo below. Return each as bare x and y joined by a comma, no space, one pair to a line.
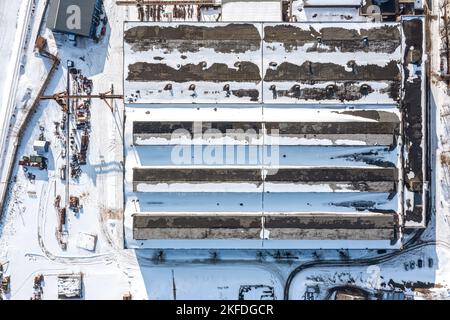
36,296
127,296
60,233
75,171
37,286
5,285
81,120
31,177
61,218
38,279
34,161
82,157
62,173
85,141
74,203
63,153
57,202
63,122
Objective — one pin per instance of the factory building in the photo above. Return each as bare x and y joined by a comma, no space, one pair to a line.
332,117
76,17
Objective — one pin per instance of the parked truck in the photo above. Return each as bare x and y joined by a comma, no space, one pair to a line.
34,161
62,173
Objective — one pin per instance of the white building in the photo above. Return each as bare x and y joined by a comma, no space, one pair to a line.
251,10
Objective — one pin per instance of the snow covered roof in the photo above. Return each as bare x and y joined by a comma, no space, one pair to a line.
206,132
256,226
332,91
250,179
40,143
70,286
251,10
63,12
332,3
269,63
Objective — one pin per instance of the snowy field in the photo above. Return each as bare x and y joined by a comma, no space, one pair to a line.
9,12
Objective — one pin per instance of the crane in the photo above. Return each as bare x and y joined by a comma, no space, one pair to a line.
61,97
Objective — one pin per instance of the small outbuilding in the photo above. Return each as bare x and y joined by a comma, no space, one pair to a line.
70,286
86,241
251,10
41,147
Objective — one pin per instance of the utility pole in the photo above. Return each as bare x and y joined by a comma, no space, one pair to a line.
103,96
174,288
68,139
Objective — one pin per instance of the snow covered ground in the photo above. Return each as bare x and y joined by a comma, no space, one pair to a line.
99,188
9,12
422,282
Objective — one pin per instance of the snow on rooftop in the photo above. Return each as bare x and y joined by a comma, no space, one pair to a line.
251,63
226,197
246,113
335,74
338,156
251,11
326,14
332,3
70,286
237,201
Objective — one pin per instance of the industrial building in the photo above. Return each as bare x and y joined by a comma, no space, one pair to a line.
334,153
76,17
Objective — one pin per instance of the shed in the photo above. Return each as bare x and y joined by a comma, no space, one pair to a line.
40,43
70,286
86,241
40,146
